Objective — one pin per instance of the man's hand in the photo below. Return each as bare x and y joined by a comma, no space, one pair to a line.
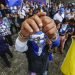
32,24
49,27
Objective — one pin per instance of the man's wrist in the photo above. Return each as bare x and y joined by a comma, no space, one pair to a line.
21,37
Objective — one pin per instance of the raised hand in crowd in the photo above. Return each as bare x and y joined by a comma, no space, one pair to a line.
35,23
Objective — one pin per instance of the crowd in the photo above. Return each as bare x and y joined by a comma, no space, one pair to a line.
11,19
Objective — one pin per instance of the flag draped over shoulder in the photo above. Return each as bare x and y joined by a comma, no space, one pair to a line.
68,66
14,2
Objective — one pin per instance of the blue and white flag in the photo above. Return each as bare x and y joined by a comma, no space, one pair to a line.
14,2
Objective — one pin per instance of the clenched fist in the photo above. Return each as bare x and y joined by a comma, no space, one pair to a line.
34,23
49,27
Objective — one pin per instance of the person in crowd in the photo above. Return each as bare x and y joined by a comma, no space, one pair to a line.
52,10
5,29
30,13
60,4
70,15
58,24
17,22
4,49
2,10
63,34
13,26
67,9
7,24
35,47
58,16
71,27
22,13
55,45
45,9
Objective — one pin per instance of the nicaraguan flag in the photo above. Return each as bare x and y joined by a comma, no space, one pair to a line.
14,2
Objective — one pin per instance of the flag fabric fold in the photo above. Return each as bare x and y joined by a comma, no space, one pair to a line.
68,66
14,2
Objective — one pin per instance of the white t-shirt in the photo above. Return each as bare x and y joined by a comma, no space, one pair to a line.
58,17
69,16
21,13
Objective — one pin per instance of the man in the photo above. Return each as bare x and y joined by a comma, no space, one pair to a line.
31,40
